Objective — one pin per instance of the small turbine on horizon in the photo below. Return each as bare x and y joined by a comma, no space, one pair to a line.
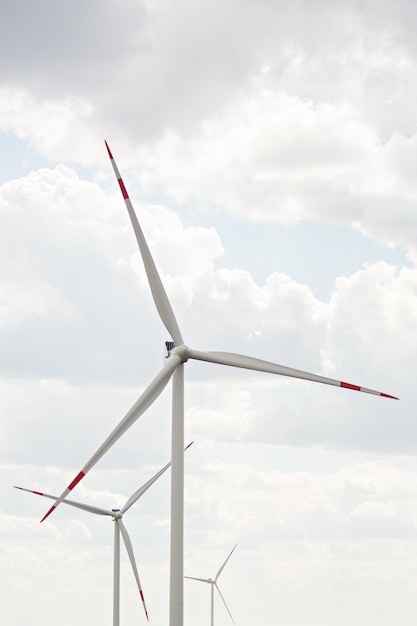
213,584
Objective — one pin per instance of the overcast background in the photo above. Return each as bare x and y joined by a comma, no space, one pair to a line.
270,149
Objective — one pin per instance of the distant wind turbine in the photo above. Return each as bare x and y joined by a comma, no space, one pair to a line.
119,529
177,354
213,583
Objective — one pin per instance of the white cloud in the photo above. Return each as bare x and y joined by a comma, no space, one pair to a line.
54,127
258,118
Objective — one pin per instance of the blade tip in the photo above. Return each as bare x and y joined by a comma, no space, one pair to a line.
48,513
108,149
387,395
345,385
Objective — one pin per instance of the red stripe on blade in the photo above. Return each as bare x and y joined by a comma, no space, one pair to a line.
76,480
386,395
48,513
123,188
108,150
349,386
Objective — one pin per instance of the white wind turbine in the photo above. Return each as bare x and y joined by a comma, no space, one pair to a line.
119,529
177,354
213,583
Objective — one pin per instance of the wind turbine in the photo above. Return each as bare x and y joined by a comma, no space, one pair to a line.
177,354
213,584
119,529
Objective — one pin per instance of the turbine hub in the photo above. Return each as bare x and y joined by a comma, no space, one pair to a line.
183,351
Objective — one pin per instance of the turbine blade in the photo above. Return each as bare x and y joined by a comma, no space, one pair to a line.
158,291
146,399
131,555
201,580
222,567
250,363
224,602
79,505
133,498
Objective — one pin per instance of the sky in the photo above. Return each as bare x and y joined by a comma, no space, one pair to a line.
270,151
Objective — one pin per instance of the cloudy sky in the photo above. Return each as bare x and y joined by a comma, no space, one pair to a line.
270,149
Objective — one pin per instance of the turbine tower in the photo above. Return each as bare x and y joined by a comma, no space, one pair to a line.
177,354
213,584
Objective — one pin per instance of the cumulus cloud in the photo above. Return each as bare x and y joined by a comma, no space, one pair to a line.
232,123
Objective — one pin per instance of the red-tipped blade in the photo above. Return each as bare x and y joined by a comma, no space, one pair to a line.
108,150
259,365
139,493
90,508
129,550
38,493
51,510
70,487
146,399
365,390
159,295
142,597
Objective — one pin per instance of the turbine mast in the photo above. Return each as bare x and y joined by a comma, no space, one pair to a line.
176,599
116,574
